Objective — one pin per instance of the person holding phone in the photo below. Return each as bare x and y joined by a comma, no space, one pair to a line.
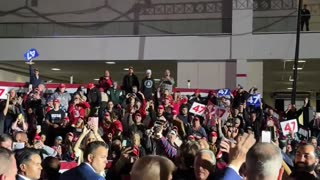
20,124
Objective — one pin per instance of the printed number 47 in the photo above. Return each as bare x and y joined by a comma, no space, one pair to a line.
253,99
199,109
31,54
290,128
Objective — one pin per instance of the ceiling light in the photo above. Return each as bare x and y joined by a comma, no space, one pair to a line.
126,69
299,68
110,62
55,69
300,61
156,79
96,79
289,88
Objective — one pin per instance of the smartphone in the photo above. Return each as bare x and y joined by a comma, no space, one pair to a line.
16,146
124,143
20,116
93,121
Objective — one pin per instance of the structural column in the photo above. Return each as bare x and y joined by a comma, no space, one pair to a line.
242,73
241,40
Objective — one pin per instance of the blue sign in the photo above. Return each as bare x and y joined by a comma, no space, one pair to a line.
224,93
254,100
31,54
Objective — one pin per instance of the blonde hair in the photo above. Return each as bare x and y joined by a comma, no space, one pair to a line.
152,167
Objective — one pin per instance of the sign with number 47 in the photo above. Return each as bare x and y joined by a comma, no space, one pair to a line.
288,126
197,108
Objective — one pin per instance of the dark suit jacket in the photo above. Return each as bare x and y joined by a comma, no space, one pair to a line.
19,178
82,172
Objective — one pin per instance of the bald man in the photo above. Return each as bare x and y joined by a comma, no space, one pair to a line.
8,168
263,162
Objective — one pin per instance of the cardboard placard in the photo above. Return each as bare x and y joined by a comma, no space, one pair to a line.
288,126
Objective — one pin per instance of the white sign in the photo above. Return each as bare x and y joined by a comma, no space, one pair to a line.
197,108
3,92
303,132
266,137
288,126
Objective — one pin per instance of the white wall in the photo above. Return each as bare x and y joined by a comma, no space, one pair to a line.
12,77
119,48
282,46
203,75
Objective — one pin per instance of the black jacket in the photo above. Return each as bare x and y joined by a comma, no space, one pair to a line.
94,97
127,83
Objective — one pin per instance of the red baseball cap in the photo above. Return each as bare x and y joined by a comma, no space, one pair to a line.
107,114
160,107
196,118
213,134
118,126
56,101
62,85
90,85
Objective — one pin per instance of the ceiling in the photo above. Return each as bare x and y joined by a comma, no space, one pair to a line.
87,71
278,72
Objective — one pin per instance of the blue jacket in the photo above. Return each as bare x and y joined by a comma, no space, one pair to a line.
231,174
82,172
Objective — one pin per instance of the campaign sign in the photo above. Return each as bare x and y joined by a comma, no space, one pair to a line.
31,54
3,92
254,100
224,93
288,126
197,108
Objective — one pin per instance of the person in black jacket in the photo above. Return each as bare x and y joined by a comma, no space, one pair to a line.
305,18
148,85
129,81
34,77
94,98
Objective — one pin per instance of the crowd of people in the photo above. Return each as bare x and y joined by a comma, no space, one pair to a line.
141,131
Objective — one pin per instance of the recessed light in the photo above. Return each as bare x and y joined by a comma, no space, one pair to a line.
126,69
55,69
299,68
109,62
156,79
289,88
96,79
301,61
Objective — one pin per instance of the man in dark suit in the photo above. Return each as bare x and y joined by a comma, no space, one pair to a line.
95,156
29,164
129,81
